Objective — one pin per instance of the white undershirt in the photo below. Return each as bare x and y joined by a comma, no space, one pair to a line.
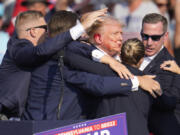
116,57
77,30
148,60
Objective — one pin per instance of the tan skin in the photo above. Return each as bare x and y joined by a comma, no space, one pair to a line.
35,35
170,65
110,38
89,18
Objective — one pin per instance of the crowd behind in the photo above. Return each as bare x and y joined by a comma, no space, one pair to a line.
10,8
61,77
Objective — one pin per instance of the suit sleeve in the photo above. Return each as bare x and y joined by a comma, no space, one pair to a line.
79,62
96,84
167,101
28,55
101,82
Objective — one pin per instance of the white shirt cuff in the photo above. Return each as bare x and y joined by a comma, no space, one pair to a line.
97,55
77,31
135,84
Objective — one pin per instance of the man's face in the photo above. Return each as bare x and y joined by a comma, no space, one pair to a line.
111,38
153,37
36,31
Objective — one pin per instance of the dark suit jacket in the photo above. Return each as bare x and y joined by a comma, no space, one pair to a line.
135,104
161,116
176,85
163,103
49,15
176,81
166,77
46,94
85,50
167,80
170,91
15,71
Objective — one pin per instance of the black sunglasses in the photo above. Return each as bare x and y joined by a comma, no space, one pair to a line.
153,37
41,26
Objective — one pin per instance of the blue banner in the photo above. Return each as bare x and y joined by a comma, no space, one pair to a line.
110,125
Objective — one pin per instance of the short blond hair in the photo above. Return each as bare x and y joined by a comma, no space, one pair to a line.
97,26
26,17
153,18
132,51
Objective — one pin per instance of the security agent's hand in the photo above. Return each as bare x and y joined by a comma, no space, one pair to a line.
118,67
147,83
170,65
89,18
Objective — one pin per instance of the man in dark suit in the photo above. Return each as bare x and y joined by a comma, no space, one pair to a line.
168,103
154,33
153,41
45,101
110,104
172,66
26,52
15,77
50,98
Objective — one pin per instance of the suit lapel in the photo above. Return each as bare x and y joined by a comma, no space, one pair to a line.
156,60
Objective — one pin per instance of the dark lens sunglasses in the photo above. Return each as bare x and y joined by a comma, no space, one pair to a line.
153,37
41,26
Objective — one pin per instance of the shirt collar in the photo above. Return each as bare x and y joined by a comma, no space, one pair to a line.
117,57
152,57
101,50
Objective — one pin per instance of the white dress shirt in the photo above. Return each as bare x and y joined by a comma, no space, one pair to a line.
77,30
148,60
98,53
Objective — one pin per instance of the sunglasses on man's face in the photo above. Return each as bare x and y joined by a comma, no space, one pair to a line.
153,37
41,26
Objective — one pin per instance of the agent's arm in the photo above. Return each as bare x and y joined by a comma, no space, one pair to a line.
28,55
170,65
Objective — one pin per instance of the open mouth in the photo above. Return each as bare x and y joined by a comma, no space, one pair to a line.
149,49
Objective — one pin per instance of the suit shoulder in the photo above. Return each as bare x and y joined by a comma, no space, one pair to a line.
80,48
167,55
79,44
134,70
